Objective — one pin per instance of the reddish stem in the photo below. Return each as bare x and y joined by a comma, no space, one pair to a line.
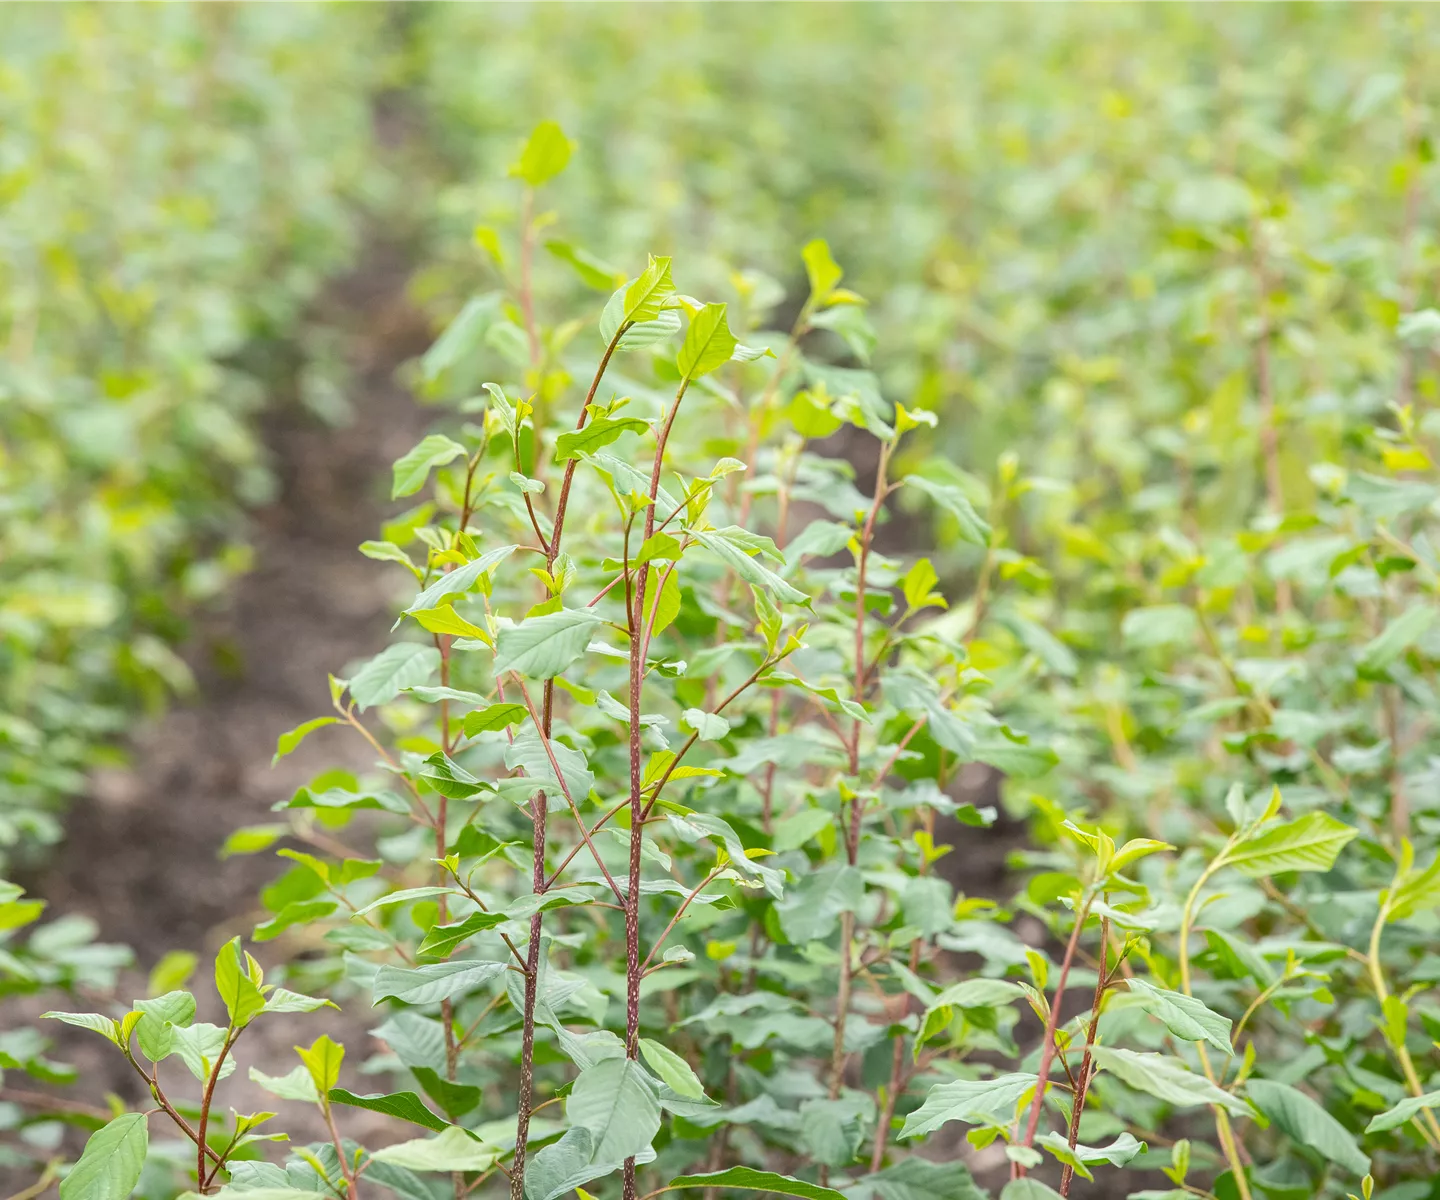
1047,1049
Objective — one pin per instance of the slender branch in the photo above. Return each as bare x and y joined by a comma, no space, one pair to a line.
580,845
1047,1049
565,791
205,1101
345,1168
562,503
1082,1085
660,941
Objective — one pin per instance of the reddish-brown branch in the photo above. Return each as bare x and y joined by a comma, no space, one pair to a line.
1047,1048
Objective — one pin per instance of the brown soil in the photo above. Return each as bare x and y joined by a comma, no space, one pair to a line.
141,854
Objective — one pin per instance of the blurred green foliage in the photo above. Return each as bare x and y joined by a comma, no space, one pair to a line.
176,184
1166,274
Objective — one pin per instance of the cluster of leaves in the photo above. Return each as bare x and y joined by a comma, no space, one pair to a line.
1198,314
175,186
652,892
1175,316
665,910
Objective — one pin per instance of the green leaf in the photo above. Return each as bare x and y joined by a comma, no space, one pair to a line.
403,896
18,913
450,584
918,586
455,1149
295,1084
442,940
813,904
917,1178
456,1099
1310,843
822,270
388,552
595,434
667,607
729,545
288,741
339,798
979,993
750,1180
564,1165
413,468
251,839
405,1105
1184,1016
110,1165
674,1071
695,825
545,155
811,416
973,1101
1306,1122
708,343
199,1046
390,672
1405,1111
709,727
593,272
542,647
616,1101
973,528
657,546
105,1026
322,1058
1159,625
645,297
238,991
1119,1152
1165,1078
283,1000
1028,1189
154,1034
434,982
444,619
1416,891
1398,636
462,337
492,718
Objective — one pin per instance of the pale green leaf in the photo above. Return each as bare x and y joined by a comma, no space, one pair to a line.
413,468
546,154
543,646
708,343
1309,843
1306,1122
397,667
110,1165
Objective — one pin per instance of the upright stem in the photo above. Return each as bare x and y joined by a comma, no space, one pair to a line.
639,646
1082,1082
1431,1128
842,1002
538,814
527,1028
206,1099
1052,1022
1223,1129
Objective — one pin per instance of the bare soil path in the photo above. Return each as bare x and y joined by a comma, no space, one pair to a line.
141,852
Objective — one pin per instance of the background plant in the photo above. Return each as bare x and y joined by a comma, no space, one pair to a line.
151,240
